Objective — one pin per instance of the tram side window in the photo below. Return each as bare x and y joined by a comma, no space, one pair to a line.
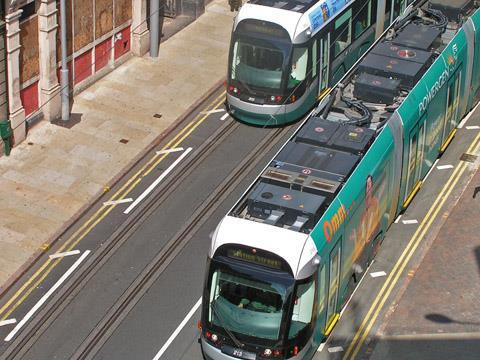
363,19
321,293
303,308
314,59
343,32
299,66
388,10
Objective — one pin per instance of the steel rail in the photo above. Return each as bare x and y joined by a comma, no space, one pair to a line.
117,313
20,345
135,291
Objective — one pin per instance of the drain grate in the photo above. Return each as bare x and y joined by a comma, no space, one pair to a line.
158,116
124,141
468,157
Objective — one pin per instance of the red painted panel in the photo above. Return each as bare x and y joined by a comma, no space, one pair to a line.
83,66
70,74
102,54
123,46
29,97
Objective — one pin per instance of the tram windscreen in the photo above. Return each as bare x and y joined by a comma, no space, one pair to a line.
259,58
246,304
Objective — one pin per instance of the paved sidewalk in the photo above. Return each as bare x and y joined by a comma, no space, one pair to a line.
438,316
56,172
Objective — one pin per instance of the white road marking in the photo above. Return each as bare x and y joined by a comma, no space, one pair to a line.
430,171
444,167
47,295
322,345
224,116
410,222
335,349
8,322
378,274
63,254
473,127
116,202
168,151
398,219
212,111
177,331
462,123
156,182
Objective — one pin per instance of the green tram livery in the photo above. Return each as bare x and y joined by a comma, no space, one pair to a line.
285,55
286,258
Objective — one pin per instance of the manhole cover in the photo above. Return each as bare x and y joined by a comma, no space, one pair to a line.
468,157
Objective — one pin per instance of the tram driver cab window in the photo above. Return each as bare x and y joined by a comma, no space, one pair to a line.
303,308
299,66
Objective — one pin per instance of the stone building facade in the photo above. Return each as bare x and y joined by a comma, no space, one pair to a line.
101,34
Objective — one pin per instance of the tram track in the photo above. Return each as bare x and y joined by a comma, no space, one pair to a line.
94,341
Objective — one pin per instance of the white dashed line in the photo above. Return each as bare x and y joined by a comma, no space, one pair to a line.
430,171
398,219
168,151
212,111
177,331
335,349
473,127
444,167
156,182
224,117
410,222
47,295
116,202
8,322
63,254
378,274
467,117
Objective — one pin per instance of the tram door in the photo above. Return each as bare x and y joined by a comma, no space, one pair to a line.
324,64
333,286
451,112
416,153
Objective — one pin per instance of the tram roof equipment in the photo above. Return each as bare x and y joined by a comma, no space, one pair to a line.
453,9
303,179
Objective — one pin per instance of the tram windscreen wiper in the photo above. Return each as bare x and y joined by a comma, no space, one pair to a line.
230,334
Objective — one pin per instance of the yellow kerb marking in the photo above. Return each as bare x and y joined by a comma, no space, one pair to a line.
413,193
405,257
103,209
448,141
332,324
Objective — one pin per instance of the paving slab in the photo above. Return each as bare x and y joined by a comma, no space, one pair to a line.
57,172
438,315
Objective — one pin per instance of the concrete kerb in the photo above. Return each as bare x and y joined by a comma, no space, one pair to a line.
4,288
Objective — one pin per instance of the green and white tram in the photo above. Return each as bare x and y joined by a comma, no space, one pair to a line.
285,55
286,258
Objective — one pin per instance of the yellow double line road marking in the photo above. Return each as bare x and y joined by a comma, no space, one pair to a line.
407,254
19,297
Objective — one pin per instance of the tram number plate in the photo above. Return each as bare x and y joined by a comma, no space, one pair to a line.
238,353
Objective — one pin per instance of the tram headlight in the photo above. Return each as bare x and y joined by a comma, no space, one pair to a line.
270,354
275,99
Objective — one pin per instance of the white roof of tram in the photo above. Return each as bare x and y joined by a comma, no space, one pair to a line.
293,22
294,247
285,18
